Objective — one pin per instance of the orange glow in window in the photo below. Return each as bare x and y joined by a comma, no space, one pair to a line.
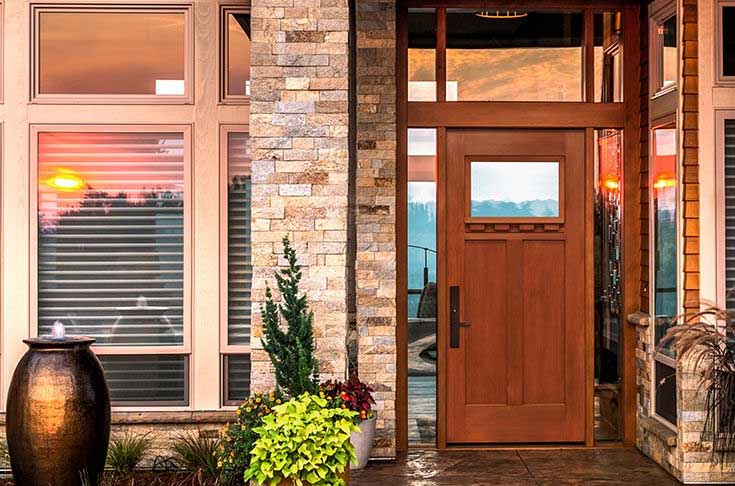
662,182
611,183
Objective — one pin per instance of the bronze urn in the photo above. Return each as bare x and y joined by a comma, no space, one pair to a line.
58,415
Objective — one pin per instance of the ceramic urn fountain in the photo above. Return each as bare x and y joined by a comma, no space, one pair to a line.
58,415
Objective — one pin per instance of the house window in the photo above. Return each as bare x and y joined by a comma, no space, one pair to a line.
664,53
237,270
728,238
112,251
664,184
103,54
726,47
235,59
608,39
422,54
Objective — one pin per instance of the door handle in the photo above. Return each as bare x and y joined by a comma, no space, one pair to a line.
454,322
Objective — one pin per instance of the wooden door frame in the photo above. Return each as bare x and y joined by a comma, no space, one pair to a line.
561,115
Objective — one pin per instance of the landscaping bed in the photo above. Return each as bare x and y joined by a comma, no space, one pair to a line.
144,478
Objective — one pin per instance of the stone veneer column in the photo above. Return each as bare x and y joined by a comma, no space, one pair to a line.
299,135
376,210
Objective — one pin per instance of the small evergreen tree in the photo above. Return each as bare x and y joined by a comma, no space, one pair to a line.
291,350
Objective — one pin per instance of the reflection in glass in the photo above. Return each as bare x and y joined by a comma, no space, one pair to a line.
238,54
669,54
514,189
239,248
608,57
535,56
111,236
112,53
665,278
422,54
150,379
422,286
608,283
728,40
665,228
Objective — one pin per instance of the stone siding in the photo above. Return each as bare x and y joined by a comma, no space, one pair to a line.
299,133
376,210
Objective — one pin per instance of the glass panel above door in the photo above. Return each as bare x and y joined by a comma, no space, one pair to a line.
422,54
514,55
514,190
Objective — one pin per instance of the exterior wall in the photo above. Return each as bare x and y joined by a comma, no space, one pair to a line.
299,148
376,210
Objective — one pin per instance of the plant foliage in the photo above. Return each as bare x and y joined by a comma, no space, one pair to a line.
306,440
707,337
354,394
127,451
237,439
196,454
291,350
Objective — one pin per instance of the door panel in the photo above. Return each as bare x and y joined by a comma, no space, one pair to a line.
516,374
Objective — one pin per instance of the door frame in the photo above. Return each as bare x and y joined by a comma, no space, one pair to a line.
586,115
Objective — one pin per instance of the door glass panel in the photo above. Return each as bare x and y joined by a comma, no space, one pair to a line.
422,286
514,189
608,57
513,56
608,283
422,54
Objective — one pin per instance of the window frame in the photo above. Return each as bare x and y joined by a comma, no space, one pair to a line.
720,77
225,9
185,348
226,349
180,8
659,12
663,122
721,116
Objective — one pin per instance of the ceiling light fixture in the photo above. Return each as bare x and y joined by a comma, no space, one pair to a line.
499,14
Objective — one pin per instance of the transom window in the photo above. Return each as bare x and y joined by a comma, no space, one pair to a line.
112,53
235,42
726,42
664,53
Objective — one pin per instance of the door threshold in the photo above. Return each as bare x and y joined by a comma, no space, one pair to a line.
522,447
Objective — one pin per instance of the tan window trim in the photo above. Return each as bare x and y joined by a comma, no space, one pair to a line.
225,10
659,12
186,8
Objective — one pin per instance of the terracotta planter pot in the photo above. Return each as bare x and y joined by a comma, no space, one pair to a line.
363,441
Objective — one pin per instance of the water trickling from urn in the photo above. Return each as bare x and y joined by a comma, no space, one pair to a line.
58,332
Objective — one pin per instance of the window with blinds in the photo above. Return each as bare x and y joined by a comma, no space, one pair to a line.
730,212
111,250
236,377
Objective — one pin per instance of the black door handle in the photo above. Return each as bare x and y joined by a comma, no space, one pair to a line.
454,323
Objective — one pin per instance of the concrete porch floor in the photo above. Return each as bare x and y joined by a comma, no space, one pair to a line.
590,467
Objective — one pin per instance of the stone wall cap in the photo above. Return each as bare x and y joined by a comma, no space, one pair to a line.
639,319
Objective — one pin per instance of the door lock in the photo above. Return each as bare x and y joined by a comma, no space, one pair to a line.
454,322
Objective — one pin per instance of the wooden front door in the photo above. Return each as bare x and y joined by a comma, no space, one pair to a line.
515,286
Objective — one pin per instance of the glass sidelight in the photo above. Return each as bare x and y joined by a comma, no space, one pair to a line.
608,283
422,286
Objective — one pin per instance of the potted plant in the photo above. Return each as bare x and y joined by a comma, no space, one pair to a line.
708,338
357,396
304,442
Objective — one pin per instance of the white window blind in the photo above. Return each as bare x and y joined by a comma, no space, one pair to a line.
730,211
111,236
239,262
146,379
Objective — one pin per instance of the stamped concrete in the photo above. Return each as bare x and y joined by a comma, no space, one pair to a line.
590,467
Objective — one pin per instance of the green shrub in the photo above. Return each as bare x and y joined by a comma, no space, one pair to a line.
196,454
237,439
127,450
306,440
291,350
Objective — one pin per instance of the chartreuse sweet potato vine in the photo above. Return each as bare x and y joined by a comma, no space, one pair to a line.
306,440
